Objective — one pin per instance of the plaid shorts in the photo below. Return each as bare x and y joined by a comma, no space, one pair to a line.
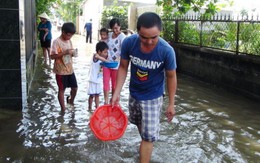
146,114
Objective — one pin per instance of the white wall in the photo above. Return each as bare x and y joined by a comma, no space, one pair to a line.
92,9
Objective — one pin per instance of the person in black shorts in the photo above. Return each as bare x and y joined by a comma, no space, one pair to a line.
62,52
45,35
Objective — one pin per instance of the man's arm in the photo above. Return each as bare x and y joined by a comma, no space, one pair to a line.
171,87
121,76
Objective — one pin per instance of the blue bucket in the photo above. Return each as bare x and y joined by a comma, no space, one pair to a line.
112,64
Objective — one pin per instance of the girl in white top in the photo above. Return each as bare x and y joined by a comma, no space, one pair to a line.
95,74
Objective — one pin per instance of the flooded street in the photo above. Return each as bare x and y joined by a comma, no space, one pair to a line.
211,124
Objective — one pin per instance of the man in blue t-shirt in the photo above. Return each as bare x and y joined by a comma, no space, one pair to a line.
152,61
88,27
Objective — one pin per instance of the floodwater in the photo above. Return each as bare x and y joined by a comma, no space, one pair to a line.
211,125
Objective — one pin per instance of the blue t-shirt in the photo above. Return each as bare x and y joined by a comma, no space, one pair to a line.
88,27
42,33
147,69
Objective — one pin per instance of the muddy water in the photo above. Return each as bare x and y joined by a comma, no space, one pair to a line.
211,125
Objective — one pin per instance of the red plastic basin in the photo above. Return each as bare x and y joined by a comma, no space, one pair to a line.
108,123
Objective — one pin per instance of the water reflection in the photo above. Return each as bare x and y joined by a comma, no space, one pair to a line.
211,125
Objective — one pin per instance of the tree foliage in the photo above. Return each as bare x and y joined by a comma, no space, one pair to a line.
65,10
44,6
181,7
176,8
115,11
68,10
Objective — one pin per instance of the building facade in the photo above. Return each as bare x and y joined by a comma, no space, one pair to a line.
18,48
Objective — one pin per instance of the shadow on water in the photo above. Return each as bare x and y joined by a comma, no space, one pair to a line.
211,125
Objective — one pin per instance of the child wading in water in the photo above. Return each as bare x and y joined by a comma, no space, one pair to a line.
62,52
95,74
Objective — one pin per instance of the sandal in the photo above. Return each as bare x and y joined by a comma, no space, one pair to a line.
67,99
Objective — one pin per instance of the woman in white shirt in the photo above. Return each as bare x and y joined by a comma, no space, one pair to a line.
115,39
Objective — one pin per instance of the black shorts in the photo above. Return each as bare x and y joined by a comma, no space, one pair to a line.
65,81
46,43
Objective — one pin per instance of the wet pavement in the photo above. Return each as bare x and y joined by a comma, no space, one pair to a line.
211,124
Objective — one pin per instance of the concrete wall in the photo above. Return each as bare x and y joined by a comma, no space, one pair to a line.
17,46
80,23
134,11
238,73
31,37
92,9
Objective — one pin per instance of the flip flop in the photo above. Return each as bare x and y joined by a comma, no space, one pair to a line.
67,99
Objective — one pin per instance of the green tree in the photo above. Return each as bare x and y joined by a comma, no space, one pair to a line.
65,10
68,10
44,6
181,7
249,37
189,33
115,11
177,8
